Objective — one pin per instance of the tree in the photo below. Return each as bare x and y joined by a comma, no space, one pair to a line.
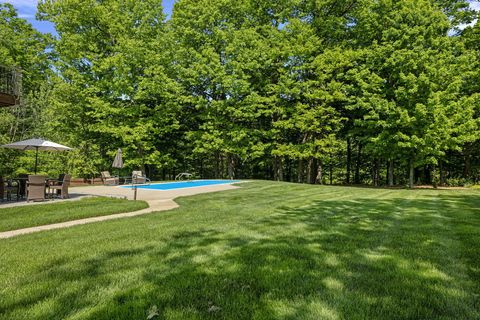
25,49
108,95
410,107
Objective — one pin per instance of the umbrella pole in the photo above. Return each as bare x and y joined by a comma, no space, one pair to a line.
36,159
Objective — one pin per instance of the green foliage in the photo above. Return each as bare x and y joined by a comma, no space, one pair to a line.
25,49
267,89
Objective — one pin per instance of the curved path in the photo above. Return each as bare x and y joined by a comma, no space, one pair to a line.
157,201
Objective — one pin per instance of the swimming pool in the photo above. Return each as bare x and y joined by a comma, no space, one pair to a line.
183,184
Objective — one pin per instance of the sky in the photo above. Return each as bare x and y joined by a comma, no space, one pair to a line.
27,8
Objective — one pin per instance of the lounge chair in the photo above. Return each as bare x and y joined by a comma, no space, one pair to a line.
62,187
108,179
36,188
139,178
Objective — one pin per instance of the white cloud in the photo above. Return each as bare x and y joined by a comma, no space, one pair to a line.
26,8
30,4
26,16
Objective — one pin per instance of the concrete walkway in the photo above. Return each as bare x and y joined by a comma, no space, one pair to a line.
157,200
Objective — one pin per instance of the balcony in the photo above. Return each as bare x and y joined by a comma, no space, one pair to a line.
10,84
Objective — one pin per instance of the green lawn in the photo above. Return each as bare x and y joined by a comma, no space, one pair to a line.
266,251
36,215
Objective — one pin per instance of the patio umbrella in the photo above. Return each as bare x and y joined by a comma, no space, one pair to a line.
36,144
118,161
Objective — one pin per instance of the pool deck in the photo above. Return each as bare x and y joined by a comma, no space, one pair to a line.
147,194
158,200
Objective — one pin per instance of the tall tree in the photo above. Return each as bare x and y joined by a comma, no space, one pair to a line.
25,49
411,107
104,50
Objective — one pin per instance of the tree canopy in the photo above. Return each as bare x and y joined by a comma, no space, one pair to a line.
317,91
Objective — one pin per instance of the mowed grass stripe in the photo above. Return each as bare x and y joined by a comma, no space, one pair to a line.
36,215
266,251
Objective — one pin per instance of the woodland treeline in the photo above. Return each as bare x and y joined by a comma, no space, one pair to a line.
381,92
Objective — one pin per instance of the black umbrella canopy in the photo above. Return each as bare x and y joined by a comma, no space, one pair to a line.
36,144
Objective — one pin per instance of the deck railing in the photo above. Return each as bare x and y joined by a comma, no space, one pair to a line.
10,85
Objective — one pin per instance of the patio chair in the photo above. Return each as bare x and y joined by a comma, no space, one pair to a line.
62,187
22,185
36,188
11,187
108,179
6,189
139,178
56,182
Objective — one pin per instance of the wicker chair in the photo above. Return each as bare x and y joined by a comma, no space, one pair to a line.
36,188
11,188
22,185
63,187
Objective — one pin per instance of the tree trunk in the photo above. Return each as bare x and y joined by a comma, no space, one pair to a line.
442,173
300,171
280,169
275,169
390,173
319,177
217,165
289,175
231,167
349,159
222,166
357,164
375,174
311,171
331,170
411,174
467,164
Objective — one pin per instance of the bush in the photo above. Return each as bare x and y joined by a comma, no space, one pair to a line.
458,182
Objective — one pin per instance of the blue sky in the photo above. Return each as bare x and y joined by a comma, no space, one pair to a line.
27,8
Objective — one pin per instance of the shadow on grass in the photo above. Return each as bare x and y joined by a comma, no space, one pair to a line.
353,259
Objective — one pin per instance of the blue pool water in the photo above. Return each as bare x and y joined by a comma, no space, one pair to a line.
184,184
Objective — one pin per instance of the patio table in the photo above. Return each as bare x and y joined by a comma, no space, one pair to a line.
24,181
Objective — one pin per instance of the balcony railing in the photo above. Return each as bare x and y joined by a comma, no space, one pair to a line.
10,86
